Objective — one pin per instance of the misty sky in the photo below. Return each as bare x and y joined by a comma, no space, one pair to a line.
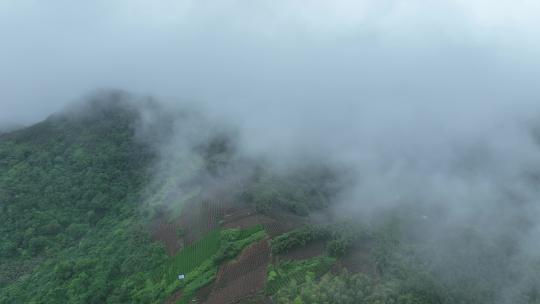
431,100
328,62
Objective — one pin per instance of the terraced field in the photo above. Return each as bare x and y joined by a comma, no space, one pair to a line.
210,235
193,255
243,277
200,262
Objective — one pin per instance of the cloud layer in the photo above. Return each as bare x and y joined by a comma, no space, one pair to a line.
430,103
243,57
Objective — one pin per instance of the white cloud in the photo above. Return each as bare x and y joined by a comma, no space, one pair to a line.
54,51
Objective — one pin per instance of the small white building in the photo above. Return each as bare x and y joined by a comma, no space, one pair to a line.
181,276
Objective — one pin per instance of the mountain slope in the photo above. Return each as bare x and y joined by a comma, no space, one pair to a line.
80,211
94,212
68,199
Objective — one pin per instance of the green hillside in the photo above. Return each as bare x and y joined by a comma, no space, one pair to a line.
69,191
87,219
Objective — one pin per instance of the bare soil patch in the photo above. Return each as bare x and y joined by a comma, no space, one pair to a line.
278,222
243,223
165,232
197,219
240,218
255,299
203,293
174,297
242,278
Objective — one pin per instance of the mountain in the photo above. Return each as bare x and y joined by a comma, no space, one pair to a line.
77,227
9,127
68,200
116,201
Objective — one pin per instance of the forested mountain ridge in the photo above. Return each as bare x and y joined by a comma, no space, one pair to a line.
68,199
61,173
97,207
76,224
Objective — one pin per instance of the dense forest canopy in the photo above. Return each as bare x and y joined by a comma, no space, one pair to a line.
69,198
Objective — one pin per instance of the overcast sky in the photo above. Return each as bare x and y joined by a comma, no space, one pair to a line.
277,56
